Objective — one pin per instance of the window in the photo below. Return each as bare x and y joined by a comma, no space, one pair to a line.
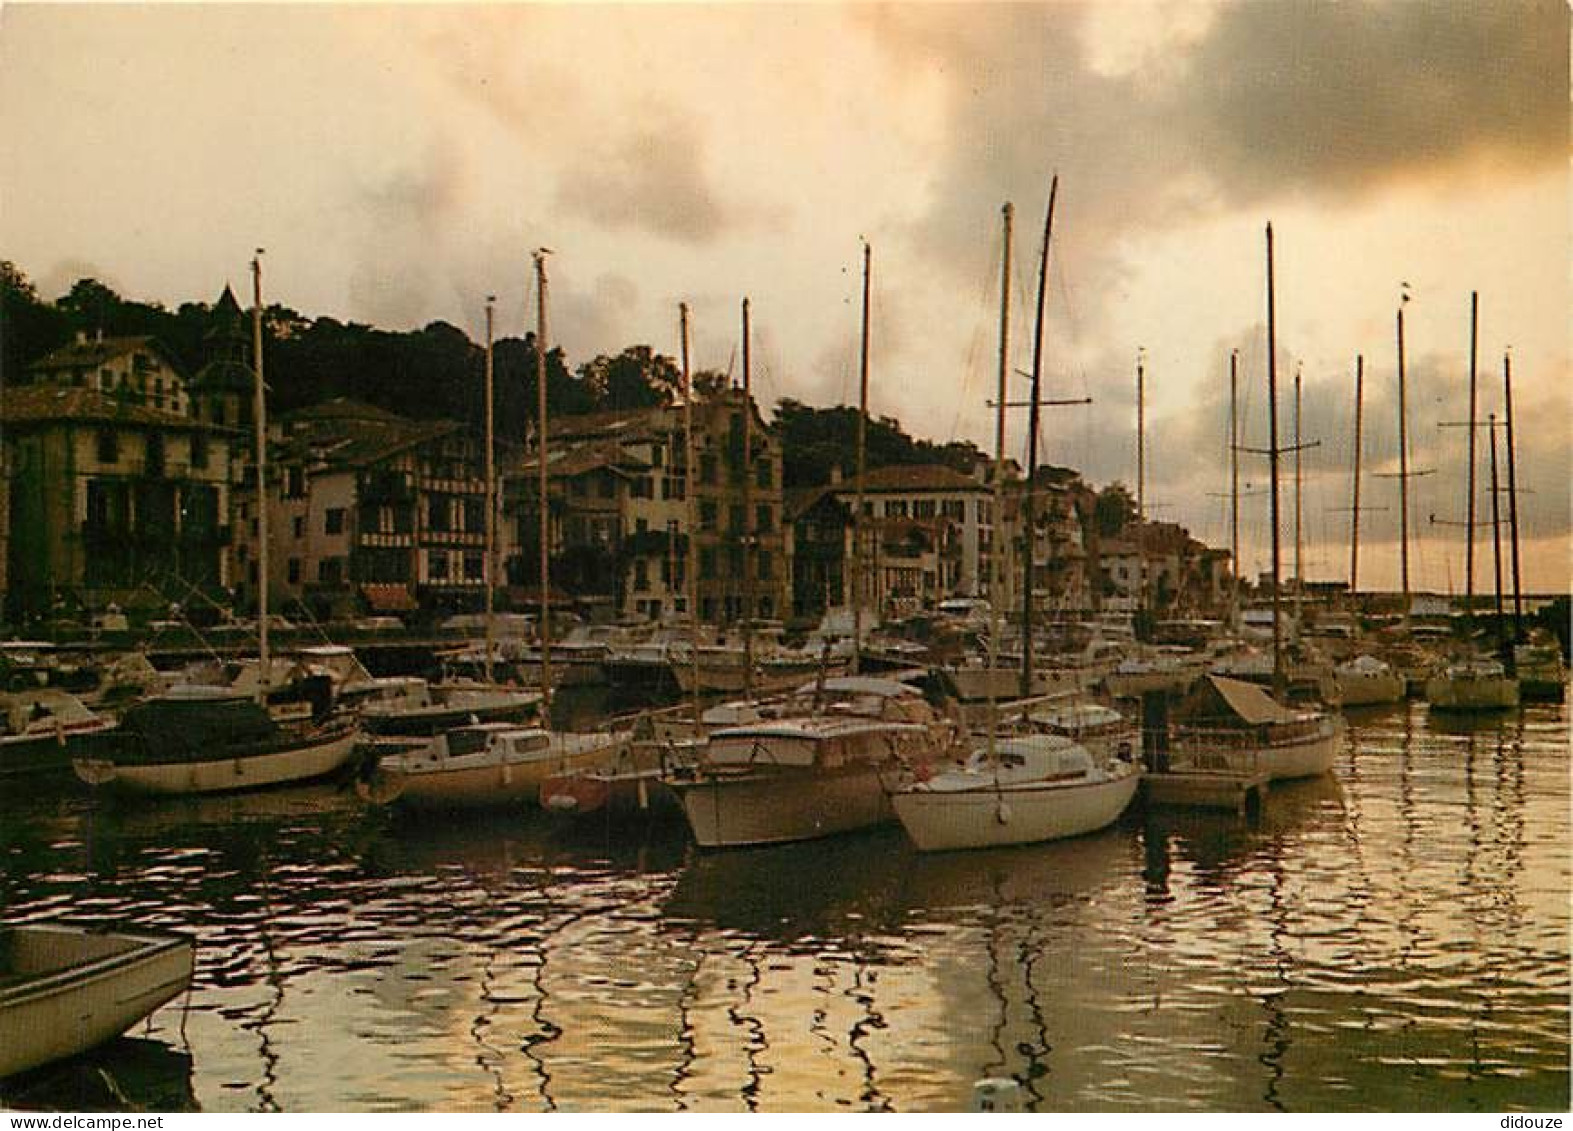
474,514
333,521
707,468
641,525
707,564
641,575
737,516
764,519
437,565
155,453
199,450
707,515
896,508
330,570
474,567
294,571
298,526
766,566
108,446
954,508
923,508
438,514
763,473
295,482
655,455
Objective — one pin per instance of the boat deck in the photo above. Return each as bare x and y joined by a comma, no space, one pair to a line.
1239,790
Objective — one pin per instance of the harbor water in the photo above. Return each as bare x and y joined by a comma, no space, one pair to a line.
1390,937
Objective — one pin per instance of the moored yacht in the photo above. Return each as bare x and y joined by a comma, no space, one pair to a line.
1026,789
1476,683
1228,724
811,766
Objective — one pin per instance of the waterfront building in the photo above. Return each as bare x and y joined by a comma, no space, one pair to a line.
111,500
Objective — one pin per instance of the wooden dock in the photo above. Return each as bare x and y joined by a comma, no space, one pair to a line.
1206,789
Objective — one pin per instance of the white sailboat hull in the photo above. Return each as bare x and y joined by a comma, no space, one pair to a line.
252,771
489,782
1025,814
779,805
1307,757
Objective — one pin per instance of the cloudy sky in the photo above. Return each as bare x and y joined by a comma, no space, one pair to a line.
400,162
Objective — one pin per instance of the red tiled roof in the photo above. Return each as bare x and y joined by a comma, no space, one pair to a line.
914,477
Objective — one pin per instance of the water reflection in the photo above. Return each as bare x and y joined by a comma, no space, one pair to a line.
1393,937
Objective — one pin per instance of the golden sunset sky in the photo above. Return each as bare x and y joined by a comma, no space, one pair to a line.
400,162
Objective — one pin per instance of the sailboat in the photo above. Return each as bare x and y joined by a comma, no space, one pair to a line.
201,739
1474,681
1363,679
811,765
1027,788
1226,722
496,763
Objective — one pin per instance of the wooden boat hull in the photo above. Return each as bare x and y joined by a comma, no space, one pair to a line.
1306,758
63,991
303,762
778,806
498,783
1445,693
1024,814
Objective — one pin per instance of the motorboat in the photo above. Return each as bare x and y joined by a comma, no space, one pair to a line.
1476,683
1023,790
811,765
486,764
1365,680
43,729
64,989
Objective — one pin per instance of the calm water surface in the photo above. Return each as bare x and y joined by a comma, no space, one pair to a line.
1392,937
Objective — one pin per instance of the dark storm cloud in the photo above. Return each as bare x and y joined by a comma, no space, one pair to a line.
1329,98
1277,96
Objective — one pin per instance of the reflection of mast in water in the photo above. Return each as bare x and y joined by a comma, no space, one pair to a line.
1036,1054
1473,888
996,985
1509,808
1275,1039
259,1025
756,1042
1407,860
490,1057
685,1029
545,1031
870,1021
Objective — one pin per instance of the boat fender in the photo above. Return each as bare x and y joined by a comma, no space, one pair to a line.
562,802
1002,814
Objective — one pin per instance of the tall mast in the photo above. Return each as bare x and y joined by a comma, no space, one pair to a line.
690,489
1512,495
746,534
1234,486
541,479
1299,540
260,434
487,575
1403,469
1469,546
1028,518
996,547
1141,477
862,472
1354,510
1279,680
1496,537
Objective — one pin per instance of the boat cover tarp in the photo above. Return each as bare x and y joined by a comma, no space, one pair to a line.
1219,697
177,730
